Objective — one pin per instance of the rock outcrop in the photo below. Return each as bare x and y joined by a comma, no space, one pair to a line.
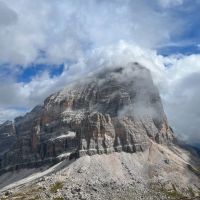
116,109
7,137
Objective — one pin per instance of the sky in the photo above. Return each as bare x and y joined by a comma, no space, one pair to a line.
47,44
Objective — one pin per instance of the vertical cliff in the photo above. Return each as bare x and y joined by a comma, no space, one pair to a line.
116,109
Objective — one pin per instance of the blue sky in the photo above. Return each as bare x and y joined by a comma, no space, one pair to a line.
44,45
26,75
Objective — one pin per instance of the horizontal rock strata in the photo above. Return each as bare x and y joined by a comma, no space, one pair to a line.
117,109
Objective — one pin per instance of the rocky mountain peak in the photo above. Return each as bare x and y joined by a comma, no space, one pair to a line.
115,109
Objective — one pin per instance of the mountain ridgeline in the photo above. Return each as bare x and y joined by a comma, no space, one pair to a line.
116,109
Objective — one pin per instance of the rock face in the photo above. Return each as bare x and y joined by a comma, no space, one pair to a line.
7,137
116,109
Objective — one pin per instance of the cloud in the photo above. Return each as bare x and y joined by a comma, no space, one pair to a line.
28,95
9,114
7,16
181,97
66,30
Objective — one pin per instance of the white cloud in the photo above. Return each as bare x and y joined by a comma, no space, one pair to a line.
9,113
182,96
124,53
7,16
66,29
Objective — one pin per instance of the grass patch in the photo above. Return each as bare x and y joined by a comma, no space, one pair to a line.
56,186
29,193
18,196
191,191
58,198
171,194
35,198
174,194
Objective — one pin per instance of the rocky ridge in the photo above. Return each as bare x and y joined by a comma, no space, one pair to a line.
102,114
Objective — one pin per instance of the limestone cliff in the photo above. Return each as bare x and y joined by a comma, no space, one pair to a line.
116,109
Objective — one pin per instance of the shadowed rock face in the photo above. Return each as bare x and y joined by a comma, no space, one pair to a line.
7,137
117,109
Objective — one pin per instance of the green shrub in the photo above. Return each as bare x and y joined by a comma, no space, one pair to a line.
58,198
56,186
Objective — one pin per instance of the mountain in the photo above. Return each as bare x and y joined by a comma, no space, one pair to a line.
107,132
117,110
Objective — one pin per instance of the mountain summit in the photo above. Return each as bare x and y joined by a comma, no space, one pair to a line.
116,111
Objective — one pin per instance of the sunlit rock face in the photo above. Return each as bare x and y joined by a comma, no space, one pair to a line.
115,109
